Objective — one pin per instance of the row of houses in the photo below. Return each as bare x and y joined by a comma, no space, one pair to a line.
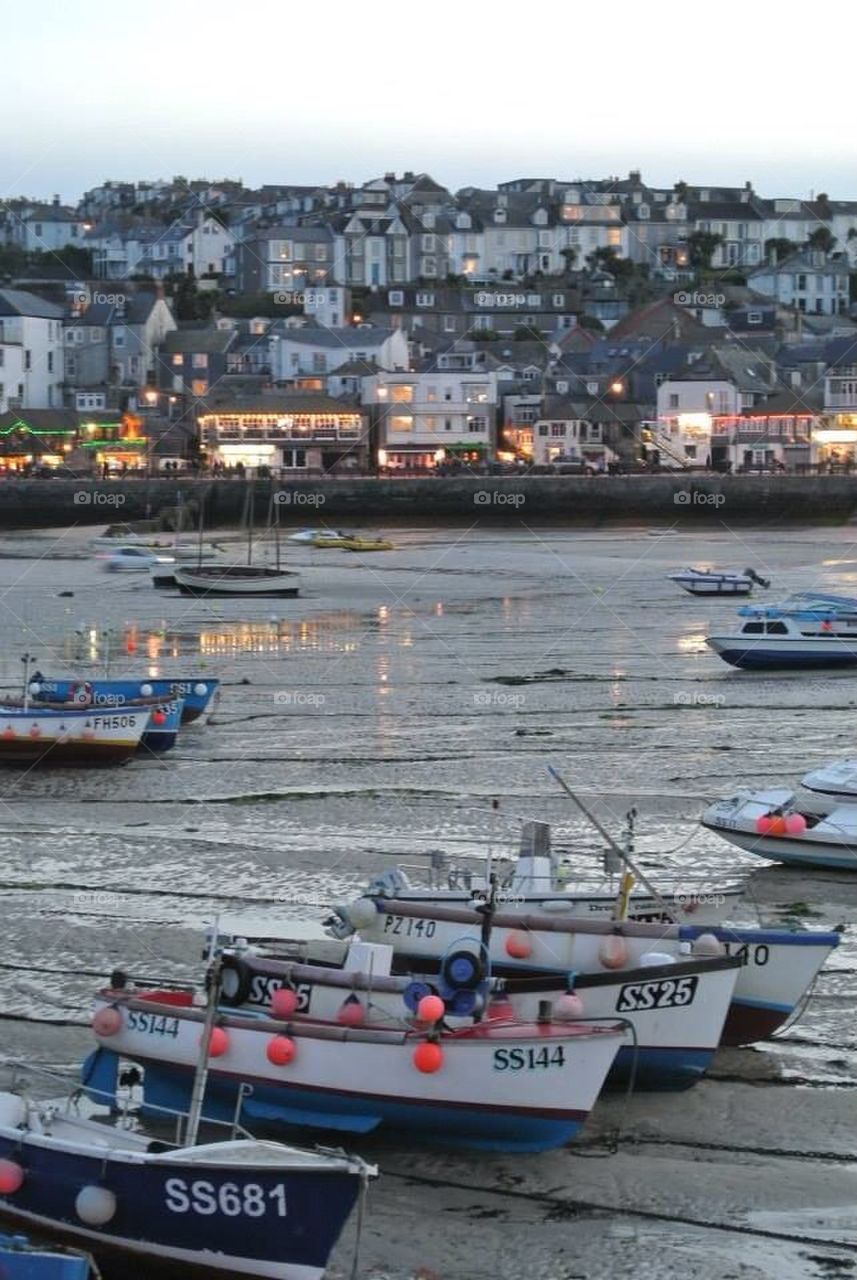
393,231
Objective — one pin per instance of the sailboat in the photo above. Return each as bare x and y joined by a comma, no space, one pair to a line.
241,580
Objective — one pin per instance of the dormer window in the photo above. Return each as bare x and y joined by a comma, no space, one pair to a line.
540,217
643,211
500,215
463,222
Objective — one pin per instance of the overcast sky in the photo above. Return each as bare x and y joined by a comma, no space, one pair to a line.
478,92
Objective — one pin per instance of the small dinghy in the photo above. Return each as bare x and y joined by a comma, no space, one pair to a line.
234,1208
711,582
22,1260
775,825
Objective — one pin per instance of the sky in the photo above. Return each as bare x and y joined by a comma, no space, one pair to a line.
473,93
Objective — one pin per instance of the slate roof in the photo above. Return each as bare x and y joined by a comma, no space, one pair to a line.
348,336
196,341
15,302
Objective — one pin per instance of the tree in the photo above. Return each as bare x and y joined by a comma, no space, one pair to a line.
701,246
781,246
680,189
569,257
189,303
821,238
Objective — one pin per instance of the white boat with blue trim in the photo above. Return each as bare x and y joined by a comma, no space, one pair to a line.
836,781
715,582
807,630
778,825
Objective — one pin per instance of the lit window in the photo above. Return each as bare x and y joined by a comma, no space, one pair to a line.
401,423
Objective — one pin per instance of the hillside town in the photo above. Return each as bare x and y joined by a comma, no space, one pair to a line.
400,328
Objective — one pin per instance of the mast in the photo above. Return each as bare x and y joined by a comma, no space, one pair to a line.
200,1079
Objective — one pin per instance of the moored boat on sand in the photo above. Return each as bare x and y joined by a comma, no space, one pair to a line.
711,582
198,696
236,580
775,824
39,735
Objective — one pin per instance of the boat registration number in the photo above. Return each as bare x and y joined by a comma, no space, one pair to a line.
668,993
529,1059
409,927
759,954
113,722
262,988
231,1199
152,1024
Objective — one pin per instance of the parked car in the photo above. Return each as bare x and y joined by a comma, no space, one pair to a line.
132,560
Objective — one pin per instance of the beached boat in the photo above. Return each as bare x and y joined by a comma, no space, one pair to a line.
22,1260
236,580
676,1009
497,1085
233,1208
537,880
710,582
159,736
779,965
360,543
777,825
801,633
837,781
198,696
38,735
318,537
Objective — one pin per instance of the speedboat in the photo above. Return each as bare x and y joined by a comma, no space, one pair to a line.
776,825
837,781
711,582
318,537
798,633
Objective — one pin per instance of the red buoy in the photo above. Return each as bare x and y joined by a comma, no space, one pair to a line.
518,945
284,1002
431,1009
428,1057
11,1177
281,1050
219,1042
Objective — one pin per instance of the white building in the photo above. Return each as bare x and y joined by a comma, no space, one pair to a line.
31,352
686,408
46,227
809,281
445,413
307,349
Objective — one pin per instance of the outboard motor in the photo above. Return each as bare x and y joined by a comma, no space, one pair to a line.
754,577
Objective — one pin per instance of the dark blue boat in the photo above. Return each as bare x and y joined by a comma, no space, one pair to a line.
235,1208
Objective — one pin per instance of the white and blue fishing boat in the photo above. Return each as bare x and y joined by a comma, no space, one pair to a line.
778,825
20,1259
804,631
47,736
234,1208
198,695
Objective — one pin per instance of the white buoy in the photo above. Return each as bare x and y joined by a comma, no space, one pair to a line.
146,691
362,913
708,945
200,689
95,1206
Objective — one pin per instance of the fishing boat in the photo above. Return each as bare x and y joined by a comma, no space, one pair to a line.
675,1010
20,1259
496,1085
777,825
198,697
537,880
38,735
779,965
711,582
802,633
160,735
233,1208
837,781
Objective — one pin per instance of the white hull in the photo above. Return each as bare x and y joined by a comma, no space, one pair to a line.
71,735
836,781
828,837
230,581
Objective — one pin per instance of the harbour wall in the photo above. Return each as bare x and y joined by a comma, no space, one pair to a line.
514,500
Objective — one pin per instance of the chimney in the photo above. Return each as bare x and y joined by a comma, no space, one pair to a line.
56,202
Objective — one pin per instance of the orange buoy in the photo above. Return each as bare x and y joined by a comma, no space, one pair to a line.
518,945
219,1042
431,1009
284,1002
281,1050
107,1021
428,1057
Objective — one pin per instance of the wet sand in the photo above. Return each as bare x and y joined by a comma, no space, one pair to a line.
376,718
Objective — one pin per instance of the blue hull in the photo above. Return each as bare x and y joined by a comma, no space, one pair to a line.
168,1085
173,1210
753,658
196,694
659,1070
20,1260
163,737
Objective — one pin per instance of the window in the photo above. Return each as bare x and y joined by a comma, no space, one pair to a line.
321,253
199,387
754,317
449,324
178,359
200,360
558,299
562,388
428,244
396,298
28,359
294,458
543,428
401,394
70,368
673,401
119,339
557,428
50,362
425,299
400,422
319,362
429,266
